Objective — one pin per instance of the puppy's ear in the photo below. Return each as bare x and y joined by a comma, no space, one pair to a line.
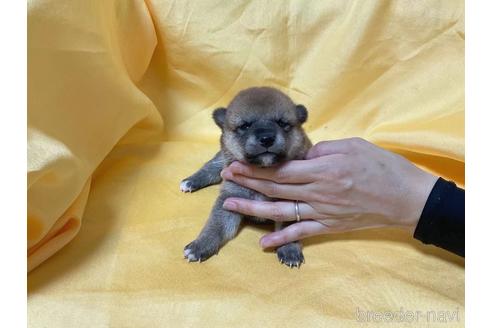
301,113
219,116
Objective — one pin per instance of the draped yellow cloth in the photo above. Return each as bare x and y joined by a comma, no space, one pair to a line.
120,95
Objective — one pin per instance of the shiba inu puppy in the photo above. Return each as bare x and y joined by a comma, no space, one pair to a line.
261,126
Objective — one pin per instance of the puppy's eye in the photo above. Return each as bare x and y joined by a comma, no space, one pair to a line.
283,124
244,126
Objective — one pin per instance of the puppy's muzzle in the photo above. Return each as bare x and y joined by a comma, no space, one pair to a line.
265,137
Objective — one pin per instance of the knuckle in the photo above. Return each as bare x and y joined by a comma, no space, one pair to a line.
270,190
281,175
235,166
241,169
320,144
352,143
358,140
355,142
346,184
246,207
248,182
244,170
318,147
276,213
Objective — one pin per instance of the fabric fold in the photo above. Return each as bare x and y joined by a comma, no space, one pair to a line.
83,67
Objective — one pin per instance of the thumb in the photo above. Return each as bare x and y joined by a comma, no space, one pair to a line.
293,232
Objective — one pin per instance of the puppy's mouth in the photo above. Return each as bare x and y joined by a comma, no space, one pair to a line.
265,159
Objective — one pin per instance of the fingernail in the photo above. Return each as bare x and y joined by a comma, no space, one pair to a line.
229,205
235,164
237,167
264,242
225,174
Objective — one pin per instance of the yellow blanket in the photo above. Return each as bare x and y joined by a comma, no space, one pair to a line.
120,95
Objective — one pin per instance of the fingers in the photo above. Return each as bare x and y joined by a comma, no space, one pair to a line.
292,233
342,146
277,211
270,188
289,172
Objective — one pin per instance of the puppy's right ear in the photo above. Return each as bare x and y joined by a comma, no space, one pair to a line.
219,117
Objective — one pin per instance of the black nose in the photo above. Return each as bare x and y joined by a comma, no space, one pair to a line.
266,138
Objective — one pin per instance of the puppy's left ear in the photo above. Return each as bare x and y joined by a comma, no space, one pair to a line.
301,113
219,117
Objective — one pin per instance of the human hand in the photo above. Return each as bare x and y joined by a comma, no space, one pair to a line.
343,185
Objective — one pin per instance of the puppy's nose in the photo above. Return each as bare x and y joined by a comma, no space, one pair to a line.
266,138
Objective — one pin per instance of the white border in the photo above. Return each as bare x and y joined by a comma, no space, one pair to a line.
13,137
478,165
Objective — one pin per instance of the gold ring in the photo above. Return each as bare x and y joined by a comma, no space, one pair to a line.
298,215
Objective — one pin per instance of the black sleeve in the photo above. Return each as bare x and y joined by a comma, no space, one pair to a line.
442,222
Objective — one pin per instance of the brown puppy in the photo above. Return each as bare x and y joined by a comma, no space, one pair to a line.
261,126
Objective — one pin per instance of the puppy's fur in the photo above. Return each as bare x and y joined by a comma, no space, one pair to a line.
261,126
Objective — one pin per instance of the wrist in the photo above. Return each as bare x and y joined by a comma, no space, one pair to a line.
417,192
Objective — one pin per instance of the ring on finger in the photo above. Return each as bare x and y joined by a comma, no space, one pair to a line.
298,214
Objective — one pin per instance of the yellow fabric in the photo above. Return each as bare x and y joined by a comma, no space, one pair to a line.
120,95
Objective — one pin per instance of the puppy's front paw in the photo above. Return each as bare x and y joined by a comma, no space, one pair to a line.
200,250
187,186
290,255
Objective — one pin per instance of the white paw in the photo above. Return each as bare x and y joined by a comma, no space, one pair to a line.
189,255
185,186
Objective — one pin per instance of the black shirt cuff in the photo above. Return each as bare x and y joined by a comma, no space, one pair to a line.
442,222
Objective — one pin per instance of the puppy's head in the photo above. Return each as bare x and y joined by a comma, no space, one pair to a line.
262,126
